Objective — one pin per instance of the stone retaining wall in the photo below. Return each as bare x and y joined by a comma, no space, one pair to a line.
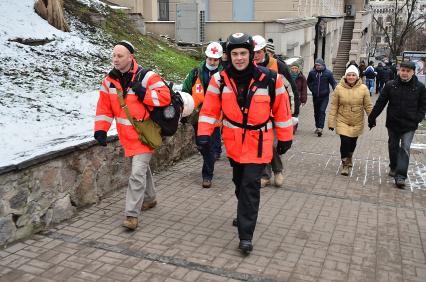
50,188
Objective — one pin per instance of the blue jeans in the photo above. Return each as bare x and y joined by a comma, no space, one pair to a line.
370,85
399,152
217,142
208,154
320,105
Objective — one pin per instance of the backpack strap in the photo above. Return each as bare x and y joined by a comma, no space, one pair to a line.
269,81
126,110
195,73
140,73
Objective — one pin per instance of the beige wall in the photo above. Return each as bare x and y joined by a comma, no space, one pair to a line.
268,10
216,30
220,10
162,28
148,8
129,3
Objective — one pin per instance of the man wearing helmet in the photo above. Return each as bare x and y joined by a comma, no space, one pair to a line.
246,95
262,58
196,83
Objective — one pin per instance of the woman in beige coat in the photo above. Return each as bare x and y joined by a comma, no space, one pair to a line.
350,99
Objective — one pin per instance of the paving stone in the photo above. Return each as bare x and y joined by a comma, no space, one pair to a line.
320,226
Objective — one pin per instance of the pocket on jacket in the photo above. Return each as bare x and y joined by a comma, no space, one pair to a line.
261,107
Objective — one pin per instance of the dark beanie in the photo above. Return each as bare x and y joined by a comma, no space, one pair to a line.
126,44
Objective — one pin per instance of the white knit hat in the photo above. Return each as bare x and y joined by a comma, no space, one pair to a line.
353,69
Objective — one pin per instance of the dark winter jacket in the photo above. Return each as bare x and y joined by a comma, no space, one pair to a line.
387,74
407,104
302,87
379,70
319,81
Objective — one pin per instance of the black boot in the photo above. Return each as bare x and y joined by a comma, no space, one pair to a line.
246,246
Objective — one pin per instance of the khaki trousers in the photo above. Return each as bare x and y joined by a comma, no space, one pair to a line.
141,185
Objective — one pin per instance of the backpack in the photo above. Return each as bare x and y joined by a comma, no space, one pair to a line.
167,117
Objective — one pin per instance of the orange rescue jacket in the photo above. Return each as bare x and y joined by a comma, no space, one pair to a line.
254,143
109,108
198,96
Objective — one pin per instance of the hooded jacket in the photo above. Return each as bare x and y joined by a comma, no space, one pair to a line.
319,81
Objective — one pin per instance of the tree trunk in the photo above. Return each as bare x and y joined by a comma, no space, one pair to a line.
53,12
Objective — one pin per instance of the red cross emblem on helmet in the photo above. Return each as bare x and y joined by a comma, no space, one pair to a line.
214,50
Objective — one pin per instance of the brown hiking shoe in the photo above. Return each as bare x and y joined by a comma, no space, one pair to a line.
345,167
264,182
131,222
207,183
148,205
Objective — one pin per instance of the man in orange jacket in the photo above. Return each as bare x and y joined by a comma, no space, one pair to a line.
140,93
247,96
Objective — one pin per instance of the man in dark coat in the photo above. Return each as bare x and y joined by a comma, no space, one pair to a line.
407,106
387,75
319,81
379,78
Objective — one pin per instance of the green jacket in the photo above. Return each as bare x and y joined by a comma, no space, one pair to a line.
191,77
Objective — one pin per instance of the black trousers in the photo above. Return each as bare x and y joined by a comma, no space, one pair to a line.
246,178
399,152
347,145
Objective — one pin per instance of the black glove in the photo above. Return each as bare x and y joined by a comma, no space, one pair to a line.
371,122
331,128
137,87
203,142
101,137
283,146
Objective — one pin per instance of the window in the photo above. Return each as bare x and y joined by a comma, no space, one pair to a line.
163,10
243,10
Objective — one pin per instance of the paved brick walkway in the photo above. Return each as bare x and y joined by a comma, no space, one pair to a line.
320,226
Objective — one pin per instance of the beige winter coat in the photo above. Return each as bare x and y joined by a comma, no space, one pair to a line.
348,104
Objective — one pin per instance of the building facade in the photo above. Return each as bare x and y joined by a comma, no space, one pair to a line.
384,12
305,28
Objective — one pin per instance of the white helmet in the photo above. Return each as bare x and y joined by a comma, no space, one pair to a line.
259,42
188,103
214,50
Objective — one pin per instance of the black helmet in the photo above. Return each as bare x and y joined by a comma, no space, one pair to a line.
240,40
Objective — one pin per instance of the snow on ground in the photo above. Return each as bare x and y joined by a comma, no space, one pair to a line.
48,93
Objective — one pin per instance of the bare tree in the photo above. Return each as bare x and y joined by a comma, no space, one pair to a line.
371,46
403,21
53,12
418,41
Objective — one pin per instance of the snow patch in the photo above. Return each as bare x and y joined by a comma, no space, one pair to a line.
48,93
